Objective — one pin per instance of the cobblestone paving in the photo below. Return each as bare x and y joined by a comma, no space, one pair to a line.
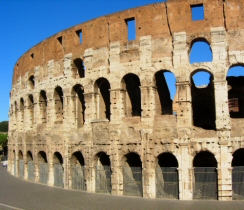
19,194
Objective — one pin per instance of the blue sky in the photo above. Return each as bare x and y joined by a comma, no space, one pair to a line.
25,23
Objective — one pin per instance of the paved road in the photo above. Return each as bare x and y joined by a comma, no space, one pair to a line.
18,194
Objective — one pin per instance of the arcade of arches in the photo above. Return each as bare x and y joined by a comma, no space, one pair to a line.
128,117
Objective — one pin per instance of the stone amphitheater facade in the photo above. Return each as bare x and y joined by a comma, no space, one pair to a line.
96,114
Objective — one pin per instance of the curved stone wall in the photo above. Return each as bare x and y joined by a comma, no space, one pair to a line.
97,115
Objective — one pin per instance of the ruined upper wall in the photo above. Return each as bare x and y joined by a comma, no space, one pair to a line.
159,20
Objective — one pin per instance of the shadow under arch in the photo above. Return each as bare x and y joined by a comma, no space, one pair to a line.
43,105
58,170
165,92
132,98
238,174
101,88
43,167
30,166
78,104
132,178
103,173
77,170
203,103
205,180
58,97
167,179
21,164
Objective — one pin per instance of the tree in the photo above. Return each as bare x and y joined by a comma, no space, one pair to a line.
3,140
4,126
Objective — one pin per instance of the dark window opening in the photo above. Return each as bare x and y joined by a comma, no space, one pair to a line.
167,160
197,12
103,88
57,158
32,55
60,40
79,68
204,159
131,28
165,83
203,104
77,159
79,105
79,34
58,97
235,81
32,81
42,157
43,106
29,156
132,98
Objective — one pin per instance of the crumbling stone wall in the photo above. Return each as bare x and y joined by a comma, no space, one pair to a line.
108,94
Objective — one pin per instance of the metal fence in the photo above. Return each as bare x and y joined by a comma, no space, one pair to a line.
167,184
132,181
238,183
43,173
205,183
103,179
58,175
31,176
15,166
78,177
21,168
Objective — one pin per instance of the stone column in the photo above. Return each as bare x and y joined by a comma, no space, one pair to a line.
221,105
90,113
51,170
147,102
117,97
185,173
224,169
117,172
66,164
184,103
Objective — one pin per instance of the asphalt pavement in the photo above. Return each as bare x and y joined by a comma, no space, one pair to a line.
16,193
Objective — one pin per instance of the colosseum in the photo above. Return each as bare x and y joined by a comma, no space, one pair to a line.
91,109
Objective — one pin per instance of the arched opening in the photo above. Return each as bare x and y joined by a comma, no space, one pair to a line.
77,164
103,173
132,99
58,98
238,175
102,88
58,170
203,101
21,109
200,51
235,81
205,176
21,164
30,166
31,109
43,105
31,82
43,167
132,179
167,181
78,105
78,69
165,83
